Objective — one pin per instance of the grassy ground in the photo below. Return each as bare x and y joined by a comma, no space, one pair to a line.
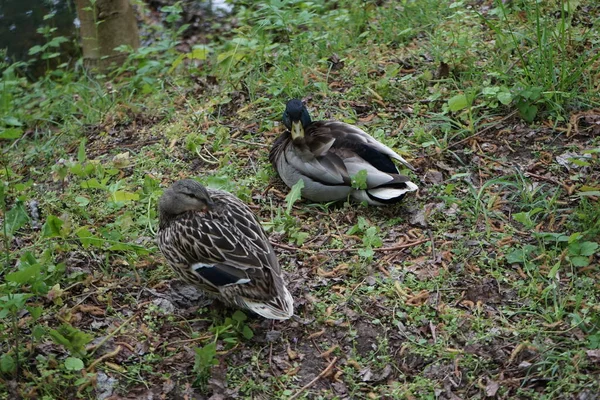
483,285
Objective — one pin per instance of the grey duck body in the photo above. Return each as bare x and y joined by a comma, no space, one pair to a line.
327,154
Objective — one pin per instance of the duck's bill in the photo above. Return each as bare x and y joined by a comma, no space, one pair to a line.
297,130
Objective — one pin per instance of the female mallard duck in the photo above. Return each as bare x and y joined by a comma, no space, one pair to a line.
327,154
215,242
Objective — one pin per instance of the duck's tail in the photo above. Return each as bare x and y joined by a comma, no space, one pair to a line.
385,194
279,307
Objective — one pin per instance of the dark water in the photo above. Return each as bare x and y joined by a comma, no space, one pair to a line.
20,21
19,24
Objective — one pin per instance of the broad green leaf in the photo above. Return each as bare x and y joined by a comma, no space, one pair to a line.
588,248
519,255
35,49
579,162
35,312
16,218
239,316
14,301
294,195
367,253
575,237
182,29
199,52
458,102
58,337
247,332
49,56
490,90
87,238
12,121
371,239
120,247
523,218
504,98
78,170
594,341
52,227
527,111
38,332
82,201
516,256
73,364
205,357
579,261
11,133
71,338
300,238
532,93
55,42
26,275
7,363
121,195
570,5
93,184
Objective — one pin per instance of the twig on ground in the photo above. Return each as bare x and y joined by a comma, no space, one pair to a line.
196,339
545,178
402,246
327,353
433,253
110,335
309,384
104,357
432,329
249,142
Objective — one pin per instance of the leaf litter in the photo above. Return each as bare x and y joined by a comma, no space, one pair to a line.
432,296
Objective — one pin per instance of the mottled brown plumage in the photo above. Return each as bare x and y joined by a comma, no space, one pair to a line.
213,240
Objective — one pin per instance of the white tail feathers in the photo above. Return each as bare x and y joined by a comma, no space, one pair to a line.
280,307
387,193
383,193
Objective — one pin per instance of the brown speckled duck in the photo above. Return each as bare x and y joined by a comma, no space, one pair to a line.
214,241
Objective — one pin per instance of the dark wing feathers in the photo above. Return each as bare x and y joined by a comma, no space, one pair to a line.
348,140
222,275
373,156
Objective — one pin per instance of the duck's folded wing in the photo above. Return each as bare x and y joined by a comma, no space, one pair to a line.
375,177
223,253
327,168
351,136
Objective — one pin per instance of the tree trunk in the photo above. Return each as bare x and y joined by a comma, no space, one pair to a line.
104,26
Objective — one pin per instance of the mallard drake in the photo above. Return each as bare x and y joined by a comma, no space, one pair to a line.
327,154
214,241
